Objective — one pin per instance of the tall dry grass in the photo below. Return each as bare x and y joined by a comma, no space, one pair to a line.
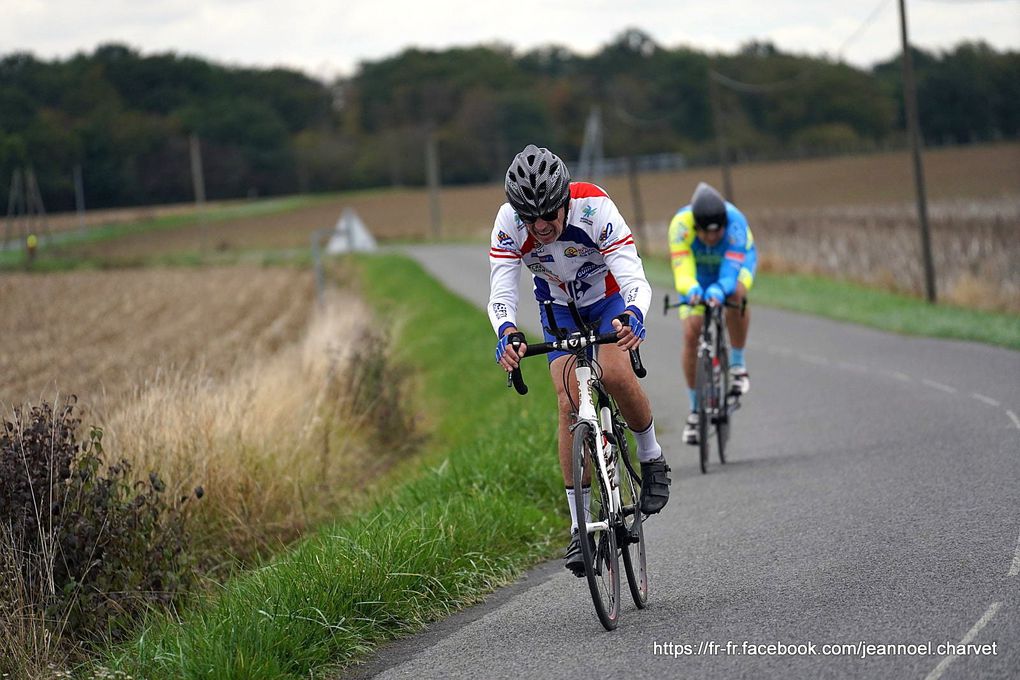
276,445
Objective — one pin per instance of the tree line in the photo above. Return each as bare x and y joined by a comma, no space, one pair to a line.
126,118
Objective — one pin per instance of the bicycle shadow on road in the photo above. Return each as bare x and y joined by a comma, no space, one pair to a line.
739,464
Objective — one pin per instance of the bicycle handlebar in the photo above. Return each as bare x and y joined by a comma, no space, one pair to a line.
572,343
682,300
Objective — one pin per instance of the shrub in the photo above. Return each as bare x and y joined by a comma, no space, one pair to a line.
84,548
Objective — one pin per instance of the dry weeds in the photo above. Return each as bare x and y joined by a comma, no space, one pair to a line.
277,445
975,247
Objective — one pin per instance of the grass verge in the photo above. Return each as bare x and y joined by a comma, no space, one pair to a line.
483,506
880,309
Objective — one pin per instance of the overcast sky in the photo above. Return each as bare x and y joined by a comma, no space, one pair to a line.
329,37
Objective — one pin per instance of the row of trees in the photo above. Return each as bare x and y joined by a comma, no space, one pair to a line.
126,118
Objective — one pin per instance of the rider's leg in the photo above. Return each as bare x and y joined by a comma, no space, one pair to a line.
738,324
565,385
692,330
566,438
621,382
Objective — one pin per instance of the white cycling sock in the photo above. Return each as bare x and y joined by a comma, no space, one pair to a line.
647,446
573,506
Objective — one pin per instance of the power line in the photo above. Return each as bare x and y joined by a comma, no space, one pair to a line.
882,4
780,85
758,88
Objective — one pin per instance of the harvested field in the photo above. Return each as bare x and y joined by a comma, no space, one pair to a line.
976,172
98,334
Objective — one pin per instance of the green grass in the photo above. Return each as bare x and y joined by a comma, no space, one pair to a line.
880,309
486,504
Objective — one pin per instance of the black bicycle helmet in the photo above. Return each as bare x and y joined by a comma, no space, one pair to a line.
537,183
709,208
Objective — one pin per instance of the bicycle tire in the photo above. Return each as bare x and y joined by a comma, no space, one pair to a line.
703,389
632,531
601,558
722,426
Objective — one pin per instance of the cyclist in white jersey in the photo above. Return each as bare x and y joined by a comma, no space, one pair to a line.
578,247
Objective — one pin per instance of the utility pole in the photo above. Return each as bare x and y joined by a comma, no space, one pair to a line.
432,177
592,161
635,195
198,184
79,198
914,132
720,135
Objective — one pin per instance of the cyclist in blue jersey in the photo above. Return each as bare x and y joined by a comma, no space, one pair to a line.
578,247
714,258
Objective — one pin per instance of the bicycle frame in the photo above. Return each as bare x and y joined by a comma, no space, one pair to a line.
601,417
602,424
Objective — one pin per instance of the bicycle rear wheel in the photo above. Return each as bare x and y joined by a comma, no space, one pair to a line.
703,389
722,387
598,544
631,534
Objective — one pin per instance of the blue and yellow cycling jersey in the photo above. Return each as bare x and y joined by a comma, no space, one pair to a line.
733,259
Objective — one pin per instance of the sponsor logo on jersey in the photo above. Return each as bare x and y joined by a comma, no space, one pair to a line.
571,252
586,215
606,232
588,269
499,310
537,268
518,221
546,258
732,239
504,239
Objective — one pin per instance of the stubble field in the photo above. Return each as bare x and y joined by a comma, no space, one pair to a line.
100,335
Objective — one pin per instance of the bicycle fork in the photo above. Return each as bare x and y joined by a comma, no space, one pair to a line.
604,462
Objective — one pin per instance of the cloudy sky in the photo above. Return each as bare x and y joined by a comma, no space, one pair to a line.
329,37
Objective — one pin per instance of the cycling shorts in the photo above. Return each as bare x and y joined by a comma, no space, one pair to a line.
600,314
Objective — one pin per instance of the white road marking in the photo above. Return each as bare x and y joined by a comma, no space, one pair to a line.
900,376
1012,416
987,400
852,367
939,386
1014,569
971,634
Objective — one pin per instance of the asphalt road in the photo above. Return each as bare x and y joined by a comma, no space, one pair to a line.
871,497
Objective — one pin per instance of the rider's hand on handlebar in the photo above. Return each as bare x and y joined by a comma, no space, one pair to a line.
715,295
506,356
630,336
694,294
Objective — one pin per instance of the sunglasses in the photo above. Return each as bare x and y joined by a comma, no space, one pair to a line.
548,217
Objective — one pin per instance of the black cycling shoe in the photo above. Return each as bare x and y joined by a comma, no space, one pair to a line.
654,485
574,560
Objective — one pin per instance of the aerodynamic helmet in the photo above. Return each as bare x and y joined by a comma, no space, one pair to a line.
709,208
537,183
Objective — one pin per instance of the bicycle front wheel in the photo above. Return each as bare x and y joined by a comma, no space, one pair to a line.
631,534
703,388
722,425
598,536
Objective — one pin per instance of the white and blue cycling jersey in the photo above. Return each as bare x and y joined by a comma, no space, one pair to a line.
593,259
